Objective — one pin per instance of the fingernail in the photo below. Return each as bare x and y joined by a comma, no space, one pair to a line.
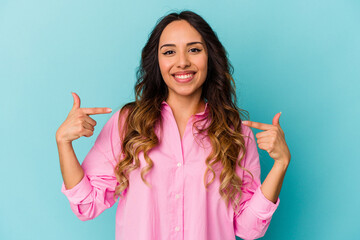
244,122
109,109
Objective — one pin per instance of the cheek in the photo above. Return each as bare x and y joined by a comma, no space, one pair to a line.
202,63
164,66
203,66
164,70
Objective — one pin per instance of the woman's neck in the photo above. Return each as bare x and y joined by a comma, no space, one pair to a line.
183,108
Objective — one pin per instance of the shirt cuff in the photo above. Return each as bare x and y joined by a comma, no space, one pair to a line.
79,192
262,207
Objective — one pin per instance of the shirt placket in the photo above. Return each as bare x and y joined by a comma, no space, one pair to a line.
177,199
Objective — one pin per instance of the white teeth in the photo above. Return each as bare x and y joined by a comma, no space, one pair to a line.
184,76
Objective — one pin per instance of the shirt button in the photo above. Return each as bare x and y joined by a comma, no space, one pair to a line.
177,196
177,228
179,164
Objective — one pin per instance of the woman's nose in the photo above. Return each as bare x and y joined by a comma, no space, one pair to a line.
183,60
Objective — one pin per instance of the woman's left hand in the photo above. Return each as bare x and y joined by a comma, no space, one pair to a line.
272,140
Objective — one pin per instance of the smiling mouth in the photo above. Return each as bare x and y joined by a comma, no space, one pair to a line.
184,77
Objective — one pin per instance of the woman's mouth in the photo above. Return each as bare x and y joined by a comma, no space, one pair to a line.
184,78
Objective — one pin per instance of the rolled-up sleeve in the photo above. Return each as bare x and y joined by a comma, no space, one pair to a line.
94,193
256,211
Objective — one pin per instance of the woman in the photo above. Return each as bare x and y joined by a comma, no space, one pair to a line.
179,159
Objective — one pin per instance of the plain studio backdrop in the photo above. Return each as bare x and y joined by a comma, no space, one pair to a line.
300,57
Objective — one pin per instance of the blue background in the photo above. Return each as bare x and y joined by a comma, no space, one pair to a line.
299,57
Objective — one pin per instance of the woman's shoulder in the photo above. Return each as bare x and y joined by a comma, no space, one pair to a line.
245,130
124,111
247,133
122,114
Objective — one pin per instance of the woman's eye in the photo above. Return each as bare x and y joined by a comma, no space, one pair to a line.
168,52
195,50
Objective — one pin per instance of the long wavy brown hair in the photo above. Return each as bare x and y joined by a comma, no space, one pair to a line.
142,115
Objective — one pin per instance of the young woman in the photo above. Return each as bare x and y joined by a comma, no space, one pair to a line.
179,159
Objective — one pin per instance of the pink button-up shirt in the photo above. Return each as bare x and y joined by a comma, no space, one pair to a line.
178,205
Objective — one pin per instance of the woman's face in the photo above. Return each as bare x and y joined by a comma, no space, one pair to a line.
183,59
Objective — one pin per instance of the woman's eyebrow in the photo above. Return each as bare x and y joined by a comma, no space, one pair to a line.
173,45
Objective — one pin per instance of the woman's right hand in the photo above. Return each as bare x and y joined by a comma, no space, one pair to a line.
78,123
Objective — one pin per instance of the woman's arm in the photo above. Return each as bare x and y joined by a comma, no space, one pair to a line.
273,182
90,186
77,124
95,190
272,140
255,213
71,170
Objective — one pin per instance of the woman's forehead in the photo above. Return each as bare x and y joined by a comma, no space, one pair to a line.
179,32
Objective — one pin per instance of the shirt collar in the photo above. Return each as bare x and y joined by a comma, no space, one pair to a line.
205,112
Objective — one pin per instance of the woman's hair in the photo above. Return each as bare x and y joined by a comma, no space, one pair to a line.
224,130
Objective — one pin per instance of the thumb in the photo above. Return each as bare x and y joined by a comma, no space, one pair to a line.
275,121
76,100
